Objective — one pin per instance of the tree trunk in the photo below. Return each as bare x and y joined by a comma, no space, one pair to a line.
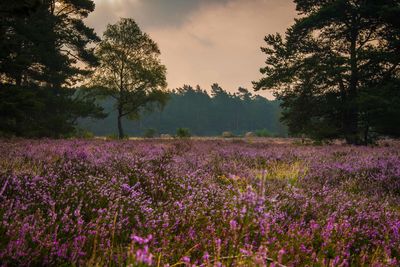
366,132
351,114
120,129
18,80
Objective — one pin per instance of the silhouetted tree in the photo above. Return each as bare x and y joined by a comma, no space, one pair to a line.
335,53
130,70
40,43
43,40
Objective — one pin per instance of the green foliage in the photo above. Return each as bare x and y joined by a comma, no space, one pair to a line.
380,111
41,41
130,71
82,133
40,44
263,133
149,133
183,133
113,137
333,68
40,112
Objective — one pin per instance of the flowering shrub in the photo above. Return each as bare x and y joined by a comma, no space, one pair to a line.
198,203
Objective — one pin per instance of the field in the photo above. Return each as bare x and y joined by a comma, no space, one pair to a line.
198,203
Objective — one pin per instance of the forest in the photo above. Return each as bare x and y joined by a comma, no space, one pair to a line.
199,112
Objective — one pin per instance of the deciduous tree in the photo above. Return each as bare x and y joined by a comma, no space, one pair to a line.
130,70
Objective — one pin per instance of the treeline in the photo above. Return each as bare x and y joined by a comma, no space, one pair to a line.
202,113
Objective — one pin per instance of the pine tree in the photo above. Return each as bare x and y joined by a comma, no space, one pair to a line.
40,43
335,52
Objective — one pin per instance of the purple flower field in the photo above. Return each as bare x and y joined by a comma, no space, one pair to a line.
198,203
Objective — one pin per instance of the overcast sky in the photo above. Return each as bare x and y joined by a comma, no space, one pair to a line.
204,41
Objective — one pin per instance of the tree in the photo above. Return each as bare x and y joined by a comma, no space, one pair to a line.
43,112
130,70
335,53
40,43
43,40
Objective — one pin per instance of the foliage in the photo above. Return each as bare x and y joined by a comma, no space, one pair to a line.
41,41
130,71
113,137
263,133
43,112
335,68
185,202
183,133
82,133
149,133
40,44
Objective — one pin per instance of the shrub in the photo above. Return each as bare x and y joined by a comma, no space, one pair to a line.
149,133
263,133
183,132
112,137
152,203
82,133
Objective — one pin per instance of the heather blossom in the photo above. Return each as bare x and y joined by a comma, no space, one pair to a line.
198,203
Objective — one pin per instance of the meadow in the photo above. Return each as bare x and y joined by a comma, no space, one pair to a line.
198,203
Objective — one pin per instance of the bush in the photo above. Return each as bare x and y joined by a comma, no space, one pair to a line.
112,137
149,133
183,132
263,133
82,133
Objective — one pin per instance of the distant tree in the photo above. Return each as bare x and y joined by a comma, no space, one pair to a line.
330,69
244,94
130,70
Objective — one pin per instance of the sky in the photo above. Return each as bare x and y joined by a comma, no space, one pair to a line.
204,41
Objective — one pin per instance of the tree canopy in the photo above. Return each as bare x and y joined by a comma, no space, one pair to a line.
130,70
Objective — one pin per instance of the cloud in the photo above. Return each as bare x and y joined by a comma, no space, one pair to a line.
149,13
161,13
204,41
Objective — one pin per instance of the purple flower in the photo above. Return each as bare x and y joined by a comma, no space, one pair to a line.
186,259
233,224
